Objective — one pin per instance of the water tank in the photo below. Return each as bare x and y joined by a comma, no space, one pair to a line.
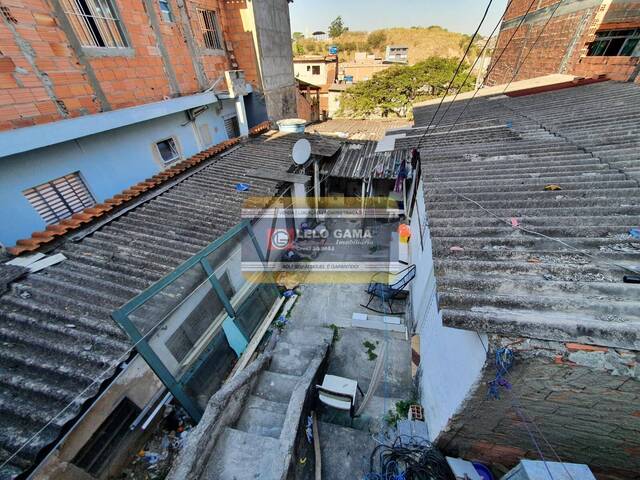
292,125
537,470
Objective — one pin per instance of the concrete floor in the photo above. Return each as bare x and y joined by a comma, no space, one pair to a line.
347,444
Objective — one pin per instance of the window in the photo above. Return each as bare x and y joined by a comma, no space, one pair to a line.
97,452
210,29
168,150
315,70
614,43
232,127
95,23
165,10
60,198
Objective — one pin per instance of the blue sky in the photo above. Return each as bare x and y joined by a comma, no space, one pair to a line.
454,15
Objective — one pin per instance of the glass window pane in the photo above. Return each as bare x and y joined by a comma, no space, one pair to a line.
629,47
255,308
615,45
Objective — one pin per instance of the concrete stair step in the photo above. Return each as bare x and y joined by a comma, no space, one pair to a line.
291,359
309,336
241,456
261,422
275,387
266,405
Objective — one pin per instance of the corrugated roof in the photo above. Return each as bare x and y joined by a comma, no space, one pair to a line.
88,215
355,129
55,326
584,139
360,160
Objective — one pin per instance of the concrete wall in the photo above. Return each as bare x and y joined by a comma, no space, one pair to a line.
273,31
304,71
451,360
562,46
108,163
361,71
583,399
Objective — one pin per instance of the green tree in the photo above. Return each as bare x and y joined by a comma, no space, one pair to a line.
297,36
298,49
337,28
394,90
376,40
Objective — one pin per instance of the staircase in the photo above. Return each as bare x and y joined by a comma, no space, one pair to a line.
260,443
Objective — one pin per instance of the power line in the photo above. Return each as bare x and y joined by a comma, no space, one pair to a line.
473,37
494,64
535,42
485,46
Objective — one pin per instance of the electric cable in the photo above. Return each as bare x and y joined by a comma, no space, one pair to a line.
535,42
484,47
455,74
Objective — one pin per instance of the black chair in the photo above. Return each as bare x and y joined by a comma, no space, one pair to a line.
390,292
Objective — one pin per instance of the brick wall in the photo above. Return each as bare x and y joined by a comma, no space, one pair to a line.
561,47
584,399
46,76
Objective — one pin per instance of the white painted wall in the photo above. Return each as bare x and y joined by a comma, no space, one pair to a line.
304,72
451,360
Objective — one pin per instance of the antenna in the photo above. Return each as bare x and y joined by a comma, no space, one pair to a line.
301,151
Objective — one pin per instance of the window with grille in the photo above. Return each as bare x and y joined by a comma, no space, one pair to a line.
210,30
60,198
614,43
165,10
168,150
95,23
231,126
103,444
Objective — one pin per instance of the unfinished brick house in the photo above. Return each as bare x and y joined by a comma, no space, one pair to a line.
579,37
77,75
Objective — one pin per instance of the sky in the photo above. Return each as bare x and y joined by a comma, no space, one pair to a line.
365,15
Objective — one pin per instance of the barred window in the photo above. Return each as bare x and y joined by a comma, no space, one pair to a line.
210,29
168,150
60,198
614,43
232,127
95,23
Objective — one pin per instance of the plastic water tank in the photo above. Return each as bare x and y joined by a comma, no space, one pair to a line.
292,125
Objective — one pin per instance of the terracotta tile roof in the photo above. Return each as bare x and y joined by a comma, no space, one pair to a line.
38,239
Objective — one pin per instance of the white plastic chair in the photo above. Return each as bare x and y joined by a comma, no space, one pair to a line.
339,392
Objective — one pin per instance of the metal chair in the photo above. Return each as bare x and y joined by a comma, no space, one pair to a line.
390,292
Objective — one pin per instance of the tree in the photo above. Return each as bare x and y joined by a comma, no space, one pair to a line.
395,89
376,40
298,49
337,28
297,36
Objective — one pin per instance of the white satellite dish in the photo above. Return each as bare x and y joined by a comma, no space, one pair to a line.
301,151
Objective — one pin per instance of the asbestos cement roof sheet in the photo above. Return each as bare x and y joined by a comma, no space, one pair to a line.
56,331
484,187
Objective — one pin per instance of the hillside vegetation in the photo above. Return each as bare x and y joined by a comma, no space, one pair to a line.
423,43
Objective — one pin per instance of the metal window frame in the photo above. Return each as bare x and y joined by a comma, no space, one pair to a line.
176,147
110,30
607,36
213,29
166,14
122,316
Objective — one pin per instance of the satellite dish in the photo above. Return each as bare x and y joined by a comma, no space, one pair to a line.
301,151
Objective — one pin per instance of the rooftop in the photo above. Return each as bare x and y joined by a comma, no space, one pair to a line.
55,325
355,129
490,178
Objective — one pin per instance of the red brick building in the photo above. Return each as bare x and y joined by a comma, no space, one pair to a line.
585,38
65,58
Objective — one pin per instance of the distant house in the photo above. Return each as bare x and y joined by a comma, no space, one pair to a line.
319,35
96,97
396,54
318,70
364,67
